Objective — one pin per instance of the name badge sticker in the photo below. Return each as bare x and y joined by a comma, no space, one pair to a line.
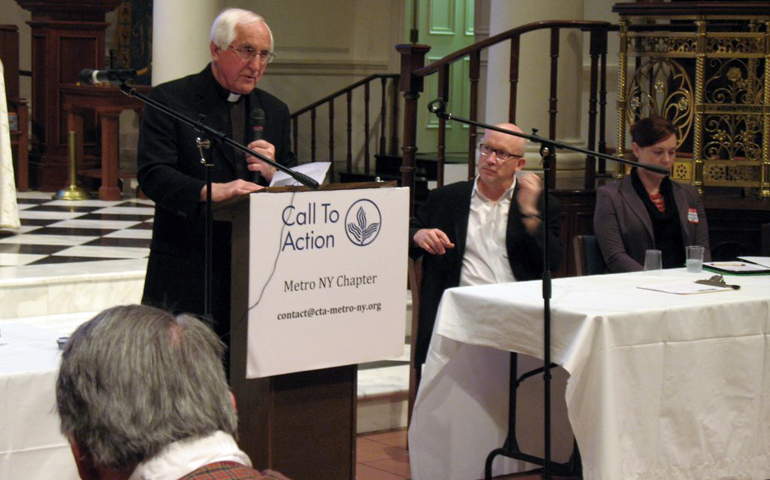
692,215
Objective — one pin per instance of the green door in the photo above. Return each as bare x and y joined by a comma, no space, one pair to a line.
447,26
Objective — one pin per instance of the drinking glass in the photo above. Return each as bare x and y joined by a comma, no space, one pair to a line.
653,261
694,258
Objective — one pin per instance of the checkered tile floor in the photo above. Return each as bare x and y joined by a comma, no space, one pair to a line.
61,231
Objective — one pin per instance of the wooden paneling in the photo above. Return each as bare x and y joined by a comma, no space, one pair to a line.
577,212
735,225
9,54
67,36
60,49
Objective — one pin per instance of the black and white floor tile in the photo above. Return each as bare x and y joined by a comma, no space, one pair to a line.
60,231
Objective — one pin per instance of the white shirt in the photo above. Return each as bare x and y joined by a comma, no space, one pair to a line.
185,456
485,260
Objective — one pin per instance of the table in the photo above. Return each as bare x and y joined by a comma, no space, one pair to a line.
107,102
31,446
661,386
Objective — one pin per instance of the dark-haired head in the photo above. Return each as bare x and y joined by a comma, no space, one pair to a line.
651,130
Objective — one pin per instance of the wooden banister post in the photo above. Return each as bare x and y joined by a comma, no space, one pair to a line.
412,58
590,168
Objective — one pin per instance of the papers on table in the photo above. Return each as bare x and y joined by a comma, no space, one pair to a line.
739,267
315,170
685,288
764,261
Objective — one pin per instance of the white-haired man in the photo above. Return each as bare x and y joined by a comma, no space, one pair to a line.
142,395
225,96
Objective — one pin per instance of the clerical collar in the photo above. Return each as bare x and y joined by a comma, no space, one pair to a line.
222,92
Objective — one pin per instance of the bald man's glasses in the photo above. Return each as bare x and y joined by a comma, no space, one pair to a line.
501,155
248,54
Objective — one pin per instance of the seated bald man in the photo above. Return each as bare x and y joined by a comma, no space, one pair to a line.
482,231
142,395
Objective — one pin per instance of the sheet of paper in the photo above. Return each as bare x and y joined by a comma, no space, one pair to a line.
686,288
737,267
315,170
764,261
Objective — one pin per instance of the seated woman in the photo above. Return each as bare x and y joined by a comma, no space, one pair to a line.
646,210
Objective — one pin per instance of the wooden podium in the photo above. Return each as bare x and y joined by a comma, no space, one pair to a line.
301,424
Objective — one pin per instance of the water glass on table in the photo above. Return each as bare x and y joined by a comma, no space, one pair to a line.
694,258
653,261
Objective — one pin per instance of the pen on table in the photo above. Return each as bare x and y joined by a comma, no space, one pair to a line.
728,264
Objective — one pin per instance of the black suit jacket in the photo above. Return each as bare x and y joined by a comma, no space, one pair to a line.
170,173
447,209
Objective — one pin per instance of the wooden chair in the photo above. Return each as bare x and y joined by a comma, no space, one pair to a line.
588,256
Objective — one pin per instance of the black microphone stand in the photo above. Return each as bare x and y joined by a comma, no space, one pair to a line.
221,138
208,284
547,153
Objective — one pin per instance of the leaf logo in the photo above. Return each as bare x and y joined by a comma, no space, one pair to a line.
363,222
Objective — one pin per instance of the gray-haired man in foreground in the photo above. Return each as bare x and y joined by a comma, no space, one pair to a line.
142,395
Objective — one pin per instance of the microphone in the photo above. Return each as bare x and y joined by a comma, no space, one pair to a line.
437,106
257,128
113,76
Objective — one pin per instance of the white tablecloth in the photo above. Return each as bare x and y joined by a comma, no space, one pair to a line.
661,386
9,213
31,447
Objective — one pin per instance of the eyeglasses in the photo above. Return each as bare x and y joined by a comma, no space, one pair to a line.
248,54
501,155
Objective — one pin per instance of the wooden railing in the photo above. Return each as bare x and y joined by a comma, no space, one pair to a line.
414,73
358,115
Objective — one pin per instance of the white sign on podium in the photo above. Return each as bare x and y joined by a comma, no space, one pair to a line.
327,279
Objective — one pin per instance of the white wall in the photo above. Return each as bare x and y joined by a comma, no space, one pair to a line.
180,38
496,16
324,46
534,66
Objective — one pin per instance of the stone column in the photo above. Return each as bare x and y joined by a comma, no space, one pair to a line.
180,42
535,73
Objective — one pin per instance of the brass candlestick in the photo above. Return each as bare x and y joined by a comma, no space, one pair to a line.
73,191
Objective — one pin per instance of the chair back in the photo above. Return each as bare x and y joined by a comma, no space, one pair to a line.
415,371
588,256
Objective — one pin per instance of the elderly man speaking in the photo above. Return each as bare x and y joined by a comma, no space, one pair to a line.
226,97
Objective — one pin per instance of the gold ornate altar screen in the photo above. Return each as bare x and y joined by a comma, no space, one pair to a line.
704,66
